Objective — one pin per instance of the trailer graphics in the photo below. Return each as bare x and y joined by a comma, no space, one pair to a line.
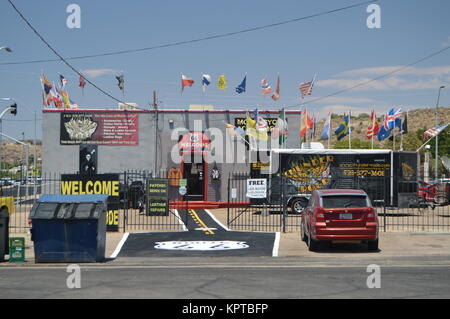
388,177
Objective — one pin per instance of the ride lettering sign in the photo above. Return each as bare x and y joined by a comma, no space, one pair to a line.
107,184
158,197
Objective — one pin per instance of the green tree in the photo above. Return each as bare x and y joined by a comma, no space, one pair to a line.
356,144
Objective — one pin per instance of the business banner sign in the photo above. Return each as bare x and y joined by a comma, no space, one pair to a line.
158,197
241,122
107,184
257,188
99,128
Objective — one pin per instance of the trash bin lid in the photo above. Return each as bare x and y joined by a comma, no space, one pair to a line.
68,207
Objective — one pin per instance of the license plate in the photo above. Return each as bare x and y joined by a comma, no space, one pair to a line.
345,216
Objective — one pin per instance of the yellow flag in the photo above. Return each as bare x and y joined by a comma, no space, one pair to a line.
222,84
253,131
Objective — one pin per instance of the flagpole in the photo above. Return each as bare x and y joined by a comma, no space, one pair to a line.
393,145
301,122
373,126
329,131
203,93
401,137
349,129
239,136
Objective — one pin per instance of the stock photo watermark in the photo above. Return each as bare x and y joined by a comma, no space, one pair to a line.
74,19
374,279
374,19
74,279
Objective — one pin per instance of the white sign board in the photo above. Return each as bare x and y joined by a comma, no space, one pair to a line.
233,193
257,188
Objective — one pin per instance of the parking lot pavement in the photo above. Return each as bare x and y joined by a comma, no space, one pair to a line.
392,244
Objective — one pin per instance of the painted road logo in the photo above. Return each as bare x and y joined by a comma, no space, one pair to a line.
201,245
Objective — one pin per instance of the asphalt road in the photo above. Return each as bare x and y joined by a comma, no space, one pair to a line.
231,278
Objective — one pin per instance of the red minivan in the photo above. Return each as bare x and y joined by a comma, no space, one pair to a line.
334,215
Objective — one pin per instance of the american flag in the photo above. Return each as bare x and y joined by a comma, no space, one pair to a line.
434,131
306,88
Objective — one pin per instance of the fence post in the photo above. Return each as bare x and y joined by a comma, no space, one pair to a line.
125,201
283,203
228,201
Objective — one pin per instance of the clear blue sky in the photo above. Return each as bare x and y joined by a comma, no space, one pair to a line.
338,47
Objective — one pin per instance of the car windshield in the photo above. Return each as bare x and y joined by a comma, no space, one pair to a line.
344,201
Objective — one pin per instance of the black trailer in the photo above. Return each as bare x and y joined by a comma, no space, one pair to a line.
389,177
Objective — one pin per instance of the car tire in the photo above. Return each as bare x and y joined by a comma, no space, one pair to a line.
302,233
296,206
313,245
372,245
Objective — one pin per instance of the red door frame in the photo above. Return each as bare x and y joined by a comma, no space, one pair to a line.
205,171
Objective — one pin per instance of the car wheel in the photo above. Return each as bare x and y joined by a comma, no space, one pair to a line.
313,245
296,206
302,233
372,245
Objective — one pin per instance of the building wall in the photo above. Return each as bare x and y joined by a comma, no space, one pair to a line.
65,158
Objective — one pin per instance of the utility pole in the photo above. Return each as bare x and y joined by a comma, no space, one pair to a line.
437,143
155,107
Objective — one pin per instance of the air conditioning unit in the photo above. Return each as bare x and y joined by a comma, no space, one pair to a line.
128,106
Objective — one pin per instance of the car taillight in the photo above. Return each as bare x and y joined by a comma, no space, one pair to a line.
371,215
319,215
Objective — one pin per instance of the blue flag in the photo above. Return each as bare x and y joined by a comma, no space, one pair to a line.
325,131
344,128
241,88
383,133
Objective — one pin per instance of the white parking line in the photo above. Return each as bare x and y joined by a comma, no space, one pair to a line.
276,244
175,212
119,246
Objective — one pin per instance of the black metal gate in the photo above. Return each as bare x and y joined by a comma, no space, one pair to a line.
264,214
408,207
145,210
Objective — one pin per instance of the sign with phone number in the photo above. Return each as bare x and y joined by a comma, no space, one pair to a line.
364,172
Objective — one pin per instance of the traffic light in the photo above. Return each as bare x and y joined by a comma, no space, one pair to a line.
14,109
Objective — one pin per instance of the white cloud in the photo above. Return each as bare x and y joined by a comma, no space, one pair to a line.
446,43
415,71
93,73
411,78
345,99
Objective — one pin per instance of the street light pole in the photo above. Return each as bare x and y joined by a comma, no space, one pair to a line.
1,128
437,136
7,49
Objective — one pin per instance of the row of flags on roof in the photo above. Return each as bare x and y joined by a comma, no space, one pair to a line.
257,127
57,94
266,88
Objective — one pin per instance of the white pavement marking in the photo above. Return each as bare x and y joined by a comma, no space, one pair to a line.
119,246
175,212
216,220
276,244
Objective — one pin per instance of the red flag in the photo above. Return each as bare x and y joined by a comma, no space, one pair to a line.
82,82
185,81
305,123
374,127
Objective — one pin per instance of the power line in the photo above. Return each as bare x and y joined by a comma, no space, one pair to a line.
211,37
60,57
371,80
